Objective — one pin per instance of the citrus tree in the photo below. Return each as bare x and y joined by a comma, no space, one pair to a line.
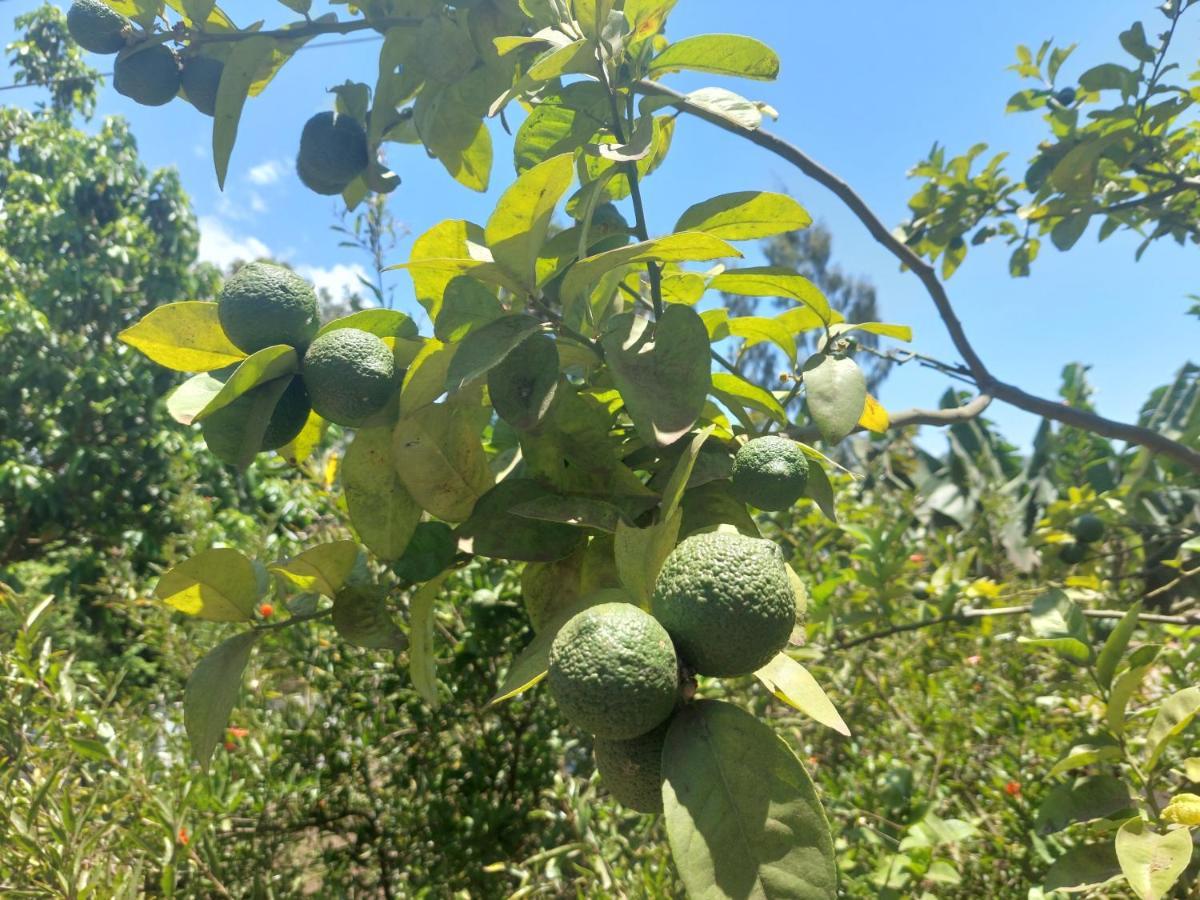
564,413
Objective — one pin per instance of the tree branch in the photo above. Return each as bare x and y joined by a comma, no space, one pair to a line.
936,417
988,383
312,28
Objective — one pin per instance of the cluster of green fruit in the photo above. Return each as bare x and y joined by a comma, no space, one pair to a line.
723,605
333,147
145,71
1087,529
347,374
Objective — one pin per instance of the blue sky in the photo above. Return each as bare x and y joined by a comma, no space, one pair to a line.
865,88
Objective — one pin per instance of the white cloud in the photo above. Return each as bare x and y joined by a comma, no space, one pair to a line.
340,279
257,203
220,246
267,172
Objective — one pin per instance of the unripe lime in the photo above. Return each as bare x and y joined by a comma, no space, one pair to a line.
333,152
201,77
96,27
263,304
349,374
148,76
770,473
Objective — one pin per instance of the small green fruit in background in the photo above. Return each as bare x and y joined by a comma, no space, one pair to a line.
632,769
96,27
727,601
921,590
613,671
770,473
1065,97
200,78
350,375
1088,529
224,431
149,76
263,304
333,152
1072,553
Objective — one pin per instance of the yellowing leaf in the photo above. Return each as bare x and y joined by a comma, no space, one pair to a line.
794,685
719,54
220,585
517,228
185,336
745,215
321,569
874,417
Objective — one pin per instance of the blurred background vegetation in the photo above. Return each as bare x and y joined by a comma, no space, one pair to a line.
335,778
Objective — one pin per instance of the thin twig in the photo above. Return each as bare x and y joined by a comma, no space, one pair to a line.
307,30
987,382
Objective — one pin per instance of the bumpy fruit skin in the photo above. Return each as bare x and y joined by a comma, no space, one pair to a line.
200,77
349,374
1088,529
95,27
149,77
223,429
770,473
333,152
613,671
632,769
727,601
262,304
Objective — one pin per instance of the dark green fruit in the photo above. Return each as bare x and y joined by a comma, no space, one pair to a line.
263,304
921,590
1072,553
333,152
225,430
1088,529
93,26
149,76
727,601
1065,97
612,671
349,374
770,473
201,77
632,769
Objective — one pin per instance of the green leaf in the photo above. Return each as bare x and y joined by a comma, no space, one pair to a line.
1082,800
711,505
380,322
1110,77
1174,715
498,531
729,388
425,379
487,347
741,812
450,239
185,402
185,336
1122,690
212,691
819,489
437,452
382,512
322,569
662,371
1115,644
775,281
1152,862
756,329
719,54
429,553
454,133
422,665
836,390
899,332
362,618
523,386
466,305
1088,752
1134,43
561,123
794,685
640,553
220,585
680,475
745,215
517,227
683,247
259,368
241,69
1083,868
1058,624
529,667
728,105
580,511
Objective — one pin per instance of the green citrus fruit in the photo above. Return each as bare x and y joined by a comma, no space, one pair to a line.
333,152
1088,529
349,374
263,304
613,672
1072,553
727,601
201,77
225,430
96,27
632,769
148,76
770,473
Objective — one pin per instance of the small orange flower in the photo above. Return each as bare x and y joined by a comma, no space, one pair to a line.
183,836
973,660
230,745
236,732
266,610
917,558
1012,788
